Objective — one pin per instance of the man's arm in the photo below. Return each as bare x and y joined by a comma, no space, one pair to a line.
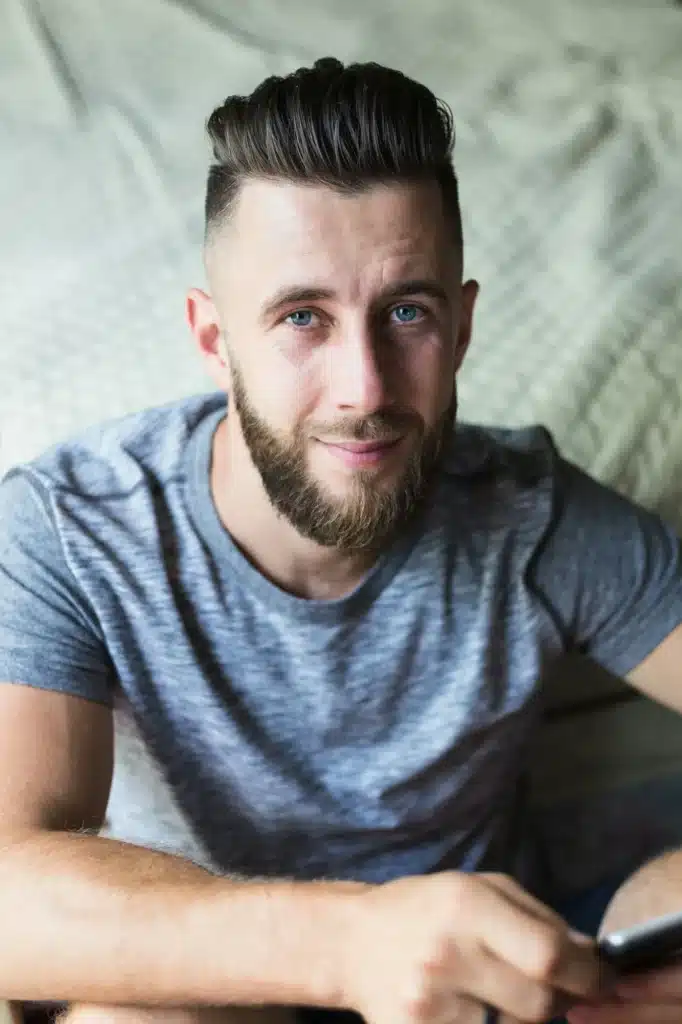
660,675
610,573
92,920
652,997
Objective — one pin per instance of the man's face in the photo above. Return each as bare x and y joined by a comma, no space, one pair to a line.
345,321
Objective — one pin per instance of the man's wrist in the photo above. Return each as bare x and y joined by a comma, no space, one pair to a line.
287,943
343,907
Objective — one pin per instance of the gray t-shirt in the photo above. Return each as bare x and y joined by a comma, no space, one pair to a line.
373,736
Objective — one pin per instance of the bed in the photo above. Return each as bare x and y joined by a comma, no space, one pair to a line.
569,151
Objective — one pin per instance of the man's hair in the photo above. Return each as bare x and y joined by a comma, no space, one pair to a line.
346,127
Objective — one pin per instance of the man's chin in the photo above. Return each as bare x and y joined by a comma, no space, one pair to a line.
351,495
340,479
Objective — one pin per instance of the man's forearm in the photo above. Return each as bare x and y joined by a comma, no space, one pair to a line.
653,890
93,920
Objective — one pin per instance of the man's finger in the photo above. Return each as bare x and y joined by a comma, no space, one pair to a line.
536,947
627,1013
576,969
522,898
519,997
664,985
461,1009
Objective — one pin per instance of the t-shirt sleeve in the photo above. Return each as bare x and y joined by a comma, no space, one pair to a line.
49,636
610,571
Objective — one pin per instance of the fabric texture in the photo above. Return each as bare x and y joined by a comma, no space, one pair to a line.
381,734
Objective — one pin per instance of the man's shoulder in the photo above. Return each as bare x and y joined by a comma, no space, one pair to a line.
113,457
499,480
524,455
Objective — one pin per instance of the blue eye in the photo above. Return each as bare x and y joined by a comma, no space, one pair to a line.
407,313
301,318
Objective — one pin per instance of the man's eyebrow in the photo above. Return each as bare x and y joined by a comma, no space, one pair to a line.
294,296
415,286
315,293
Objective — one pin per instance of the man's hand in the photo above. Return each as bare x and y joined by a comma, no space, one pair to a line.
437,949
652,998
656,996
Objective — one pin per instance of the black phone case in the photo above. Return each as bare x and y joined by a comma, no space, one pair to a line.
655,945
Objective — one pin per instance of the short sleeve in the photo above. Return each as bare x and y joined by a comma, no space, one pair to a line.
610,571
49,637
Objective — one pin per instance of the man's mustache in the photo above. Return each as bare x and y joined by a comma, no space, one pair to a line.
381,427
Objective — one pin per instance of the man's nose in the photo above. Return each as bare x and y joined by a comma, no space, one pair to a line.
357,373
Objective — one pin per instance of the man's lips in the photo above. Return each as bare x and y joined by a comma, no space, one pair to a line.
363,446
361,453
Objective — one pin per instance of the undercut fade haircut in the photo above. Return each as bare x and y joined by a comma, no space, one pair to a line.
347,127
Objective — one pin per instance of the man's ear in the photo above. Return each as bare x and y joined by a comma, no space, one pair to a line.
204,323
470,292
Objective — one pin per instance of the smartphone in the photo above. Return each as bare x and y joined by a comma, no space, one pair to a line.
656,943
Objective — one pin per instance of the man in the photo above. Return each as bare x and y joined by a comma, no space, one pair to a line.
325,611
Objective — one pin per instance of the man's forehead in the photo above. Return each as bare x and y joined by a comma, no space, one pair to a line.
279,199
320,229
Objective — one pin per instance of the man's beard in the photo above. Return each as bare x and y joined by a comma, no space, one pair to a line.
370,515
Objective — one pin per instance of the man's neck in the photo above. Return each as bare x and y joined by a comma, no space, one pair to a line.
268,540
